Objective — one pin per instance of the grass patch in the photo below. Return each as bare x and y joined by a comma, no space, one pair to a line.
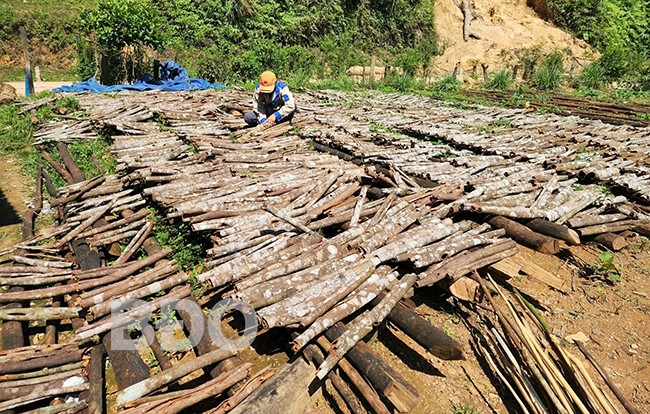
16,132
501,80
462,409
188,248
446,84
340,83
16,140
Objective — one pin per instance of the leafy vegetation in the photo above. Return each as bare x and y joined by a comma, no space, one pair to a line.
501,80
230,40
187,247
549,77
618,29
462,409
606,266
17,140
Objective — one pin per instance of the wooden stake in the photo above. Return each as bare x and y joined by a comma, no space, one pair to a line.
28,67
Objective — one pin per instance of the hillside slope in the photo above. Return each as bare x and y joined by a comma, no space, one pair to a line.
507,28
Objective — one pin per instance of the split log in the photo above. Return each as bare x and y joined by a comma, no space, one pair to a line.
526,236
554,230
516,266
628,407
384,378
612,241
287,389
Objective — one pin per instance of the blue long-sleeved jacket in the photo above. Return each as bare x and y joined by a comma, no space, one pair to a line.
279,103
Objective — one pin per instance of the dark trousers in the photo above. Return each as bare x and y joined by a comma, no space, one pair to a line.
251,118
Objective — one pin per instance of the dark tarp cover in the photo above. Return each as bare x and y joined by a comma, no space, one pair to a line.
172,78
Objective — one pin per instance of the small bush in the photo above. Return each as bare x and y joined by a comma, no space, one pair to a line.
500,81
401,83
591,77
447,84
410,61
549,77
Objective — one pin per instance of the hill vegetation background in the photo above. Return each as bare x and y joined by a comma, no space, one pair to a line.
233,40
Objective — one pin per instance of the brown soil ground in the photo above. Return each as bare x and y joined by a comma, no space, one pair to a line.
14,198
38,86
614,316
508,29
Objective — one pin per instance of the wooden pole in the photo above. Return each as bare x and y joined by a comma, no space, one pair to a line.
29,82
526,236
384,378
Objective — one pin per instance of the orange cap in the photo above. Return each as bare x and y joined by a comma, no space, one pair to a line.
267,81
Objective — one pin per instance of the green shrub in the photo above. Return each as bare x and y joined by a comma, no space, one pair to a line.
122,30
398,82
446,84
410,61
591,77
549,77
501,80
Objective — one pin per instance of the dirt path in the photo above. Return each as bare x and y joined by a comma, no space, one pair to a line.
38,86
14,198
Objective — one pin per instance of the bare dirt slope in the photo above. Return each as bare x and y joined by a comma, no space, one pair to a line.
507,28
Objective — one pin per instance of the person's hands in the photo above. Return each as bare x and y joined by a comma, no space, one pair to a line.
270,121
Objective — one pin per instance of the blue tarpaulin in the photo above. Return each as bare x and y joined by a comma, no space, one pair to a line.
172,78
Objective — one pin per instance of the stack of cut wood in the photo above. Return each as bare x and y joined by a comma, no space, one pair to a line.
324,245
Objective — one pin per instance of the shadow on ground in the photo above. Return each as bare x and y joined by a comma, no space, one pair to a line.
8,215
